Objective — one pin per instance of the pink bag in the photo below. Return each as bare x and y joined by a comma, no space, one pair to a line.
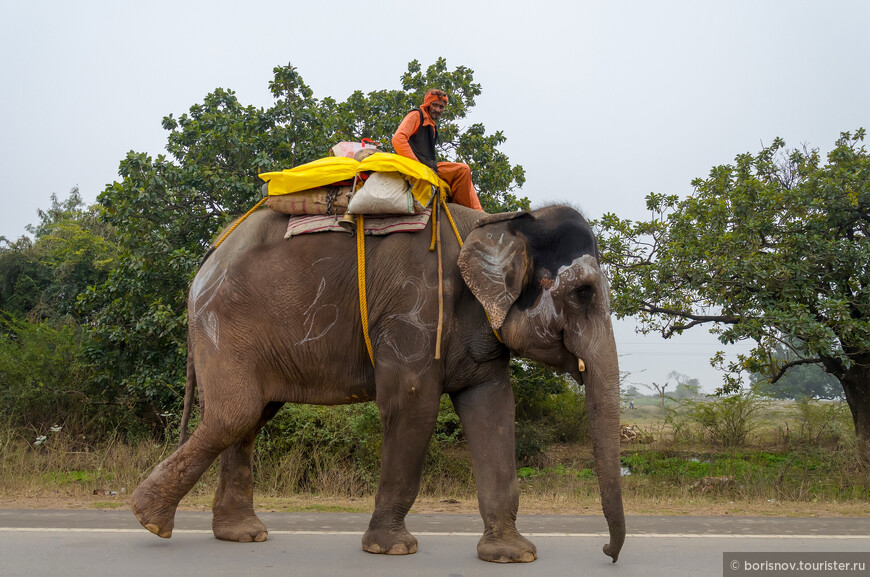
348,149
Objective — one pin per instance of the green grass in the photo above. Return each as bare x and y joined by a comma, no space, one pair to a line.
80,477
330,509
108,505
557,471
804,474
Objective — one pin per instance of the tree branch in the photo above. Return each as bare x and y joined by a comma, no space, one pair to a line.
790,364
698,319
680,328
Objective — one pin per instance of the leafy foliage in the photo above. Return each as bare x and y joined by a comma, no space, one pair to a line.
550,409
43,373
725,421
820,421
774,249
42,277
687,387
45,377
799,382
349,434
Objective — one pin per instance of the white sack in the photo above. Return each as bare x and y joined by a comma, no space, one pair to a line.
384,193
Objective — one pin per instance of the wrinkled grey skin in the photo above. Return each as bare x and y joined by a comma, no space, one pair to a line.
275,321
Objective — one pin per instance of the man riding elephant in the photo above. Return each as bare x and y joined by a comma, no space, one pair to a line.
416,138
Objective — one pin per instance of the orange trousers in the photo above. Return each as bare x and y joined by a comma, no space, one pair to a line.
458,176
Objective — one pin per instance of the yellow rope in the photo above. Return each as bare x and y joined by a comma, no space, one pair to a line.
450,218
361,279
239,221
440,330
434,222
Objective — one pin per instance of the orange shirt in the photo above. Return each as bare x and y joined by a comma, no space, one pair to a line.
408,128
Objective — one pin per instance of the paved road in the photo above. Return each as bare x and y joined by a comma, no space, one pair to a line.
88,543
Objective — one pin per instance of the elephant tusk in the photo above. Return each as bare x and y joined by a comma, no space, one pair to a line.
581,365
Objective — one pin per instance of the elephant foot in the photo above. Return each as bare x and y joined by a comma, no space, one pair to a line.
243,527
152,511
388,542
506,548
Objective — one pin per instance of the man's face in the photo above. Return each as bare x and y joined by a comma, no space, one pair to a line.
436,109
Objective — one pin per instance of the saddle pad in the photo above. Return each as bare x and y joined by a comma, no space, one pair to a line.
374,225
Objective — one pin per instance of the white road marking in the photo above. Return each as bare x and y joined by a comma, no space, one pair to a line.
444,533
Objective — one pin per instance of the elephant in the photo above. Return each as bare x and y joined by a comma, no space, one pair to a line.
274,321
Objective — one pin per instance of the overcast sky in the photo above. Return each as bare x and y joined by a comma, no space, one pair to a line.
602,102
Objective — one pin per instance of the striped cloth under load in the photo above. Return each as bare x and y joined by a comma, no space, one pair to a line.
374,225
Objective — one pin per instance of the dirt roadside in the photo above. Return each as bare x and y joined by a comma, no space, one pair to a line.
529,505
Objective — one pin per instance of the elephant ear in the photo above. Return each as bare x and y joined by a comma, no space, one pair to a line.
494,264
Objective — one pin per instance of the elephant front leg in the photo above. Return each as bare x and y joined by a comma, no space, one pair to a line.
408,415
487,415
234,518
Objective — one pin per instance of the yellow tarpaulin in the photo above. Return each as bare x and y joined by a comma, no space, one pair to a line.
326,171
321,172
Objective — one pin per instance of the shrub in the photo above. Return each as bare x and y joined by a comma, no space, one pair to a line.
337,449
726,421
531,440
821,421
550,408
448,428
566,414
46,380
314,443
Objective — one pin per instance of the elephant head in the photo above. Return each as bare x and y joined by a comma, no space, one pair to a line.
537,276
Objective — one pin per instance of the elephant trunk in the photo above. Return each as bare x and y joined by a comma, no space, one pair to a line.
601,379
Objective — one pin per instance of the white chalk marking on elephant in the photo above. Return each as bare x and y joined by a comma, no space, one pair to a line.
547,319
211,324
202,276
204,289
423,330
544,317
204,285
580,268
322,313
586,268
496,260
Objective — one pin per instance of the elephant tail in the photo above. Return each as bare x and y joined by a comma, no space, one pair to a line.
189,391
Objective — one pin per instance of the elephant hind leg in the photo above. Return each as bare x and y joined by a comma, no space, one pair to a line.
155,499
234,518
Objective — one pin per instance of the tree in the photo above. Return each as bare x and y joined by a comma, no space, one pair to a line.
660,391
774,249
631,392
41,277
45,377
687,387
799,382
167,210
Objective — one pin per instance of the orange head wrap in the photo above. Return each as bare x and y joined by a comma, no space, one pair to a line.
432,96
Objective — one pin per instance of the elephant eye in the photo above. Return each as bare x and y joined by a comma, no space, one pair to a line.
582,295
